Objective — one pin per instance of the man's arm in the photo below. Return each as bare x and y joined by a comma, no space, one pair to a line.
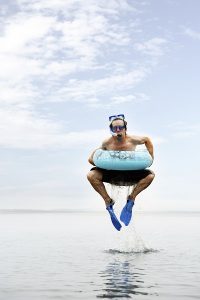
90,159
149,146
103,146
148,143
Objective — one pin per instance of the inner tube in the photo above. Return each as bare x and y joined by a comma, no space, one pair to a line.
122,160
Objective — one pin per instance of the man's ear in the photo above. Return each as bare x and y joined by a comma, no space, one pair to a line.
125,124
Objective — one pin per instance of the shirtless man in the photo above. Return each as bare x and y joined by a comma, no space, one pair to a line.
142,178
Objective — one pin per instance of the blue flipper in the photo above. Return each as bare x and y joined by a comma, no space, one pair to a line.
126,213
113,217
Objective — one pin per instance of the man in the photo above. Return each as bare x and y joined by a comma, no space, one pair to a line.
142,178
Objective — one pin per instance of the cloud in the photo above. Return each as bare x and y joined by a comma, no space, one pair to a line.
112,7
192,33
92,91
24,30
137,98
47,47
21,129
120,99
66,51
153,47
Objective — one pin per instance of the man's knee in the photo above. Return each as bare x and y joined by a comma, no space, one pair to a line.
94,175
151,176
90,176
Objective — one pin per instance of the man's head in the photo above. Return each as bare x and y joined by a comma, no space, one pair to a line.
118,125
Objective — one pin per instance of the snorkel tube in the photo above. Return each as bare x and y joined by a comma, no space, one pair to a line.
113,133
118,135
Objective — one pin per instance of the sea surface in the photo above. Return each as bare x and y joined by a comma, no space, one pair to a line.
80,255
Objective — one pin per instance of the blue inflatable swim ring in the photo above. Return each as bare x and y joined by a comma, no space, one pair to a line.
122,160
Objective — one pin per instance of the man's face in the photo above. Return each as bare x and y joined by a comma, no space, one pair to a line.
118,127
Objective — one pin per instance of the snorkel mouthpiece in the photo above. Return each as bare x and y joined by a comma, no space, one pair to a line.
119,136
113,133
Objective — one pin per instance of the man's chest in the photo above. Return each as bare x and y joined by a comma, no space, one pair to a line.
124,146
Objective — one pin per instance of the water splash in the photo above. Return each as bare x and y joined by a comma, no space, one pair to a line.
128,240
145,251
119,194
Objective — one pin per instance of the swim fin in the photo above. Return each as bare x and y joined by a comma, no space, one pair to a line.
126,213
113,217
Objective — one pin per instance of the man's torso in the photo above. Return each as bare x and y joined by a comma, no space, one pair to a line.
127,144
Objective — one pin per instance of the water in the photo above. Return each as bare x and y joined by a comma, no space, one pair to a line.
79,255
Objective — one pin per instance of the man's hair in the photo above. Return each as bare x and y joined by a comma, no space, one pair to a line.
125,123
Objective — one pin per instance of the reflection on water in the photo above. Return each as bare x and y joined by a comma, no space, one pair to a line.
122,279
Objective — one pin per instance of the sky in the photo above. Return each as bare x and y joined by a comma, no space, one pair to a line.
65,66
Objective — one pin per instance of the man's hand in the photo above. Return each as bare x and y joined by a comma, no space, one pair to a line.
90,159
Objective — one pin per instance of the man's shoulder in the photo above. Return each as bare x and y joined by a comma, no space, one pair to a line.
134,137
141,139
106,142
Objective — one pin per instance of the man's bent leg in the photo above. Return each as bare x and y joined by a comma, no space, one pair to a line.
126,213
95,179
141,185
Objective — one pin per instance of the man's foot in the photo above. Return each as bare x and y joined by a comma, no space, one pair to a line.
113,217
126,213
